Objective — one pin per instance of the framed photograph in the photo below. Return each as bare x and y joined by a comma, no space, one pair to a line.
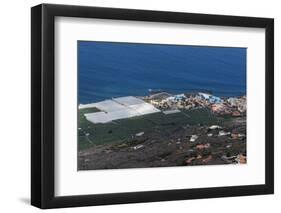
139,106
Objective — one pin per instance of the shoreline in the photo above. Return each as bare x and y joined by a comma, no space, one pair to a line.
165,102
189,129
149,93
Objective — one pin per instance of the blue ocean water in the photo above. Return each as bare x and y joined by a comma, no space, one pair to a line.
109,69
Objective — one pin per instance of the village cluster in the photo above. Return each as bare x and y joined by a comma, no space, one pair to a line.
235,106
217,138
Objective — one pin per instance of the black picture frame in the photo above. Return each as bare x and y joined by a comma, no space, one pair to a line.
43,111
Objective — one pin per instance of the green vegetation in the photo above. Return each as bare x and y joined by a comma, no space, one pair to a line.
89,110
124,130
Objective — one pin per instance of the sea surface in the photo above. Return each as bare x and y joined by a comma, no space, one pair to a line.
109,69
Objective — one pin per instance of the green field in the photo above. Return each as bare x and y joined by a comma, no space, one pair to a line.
124,130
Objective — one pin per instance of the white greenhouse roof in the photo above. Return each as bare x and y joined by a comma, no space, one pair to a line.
119,108
109,106
98,117
144,108
129,100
